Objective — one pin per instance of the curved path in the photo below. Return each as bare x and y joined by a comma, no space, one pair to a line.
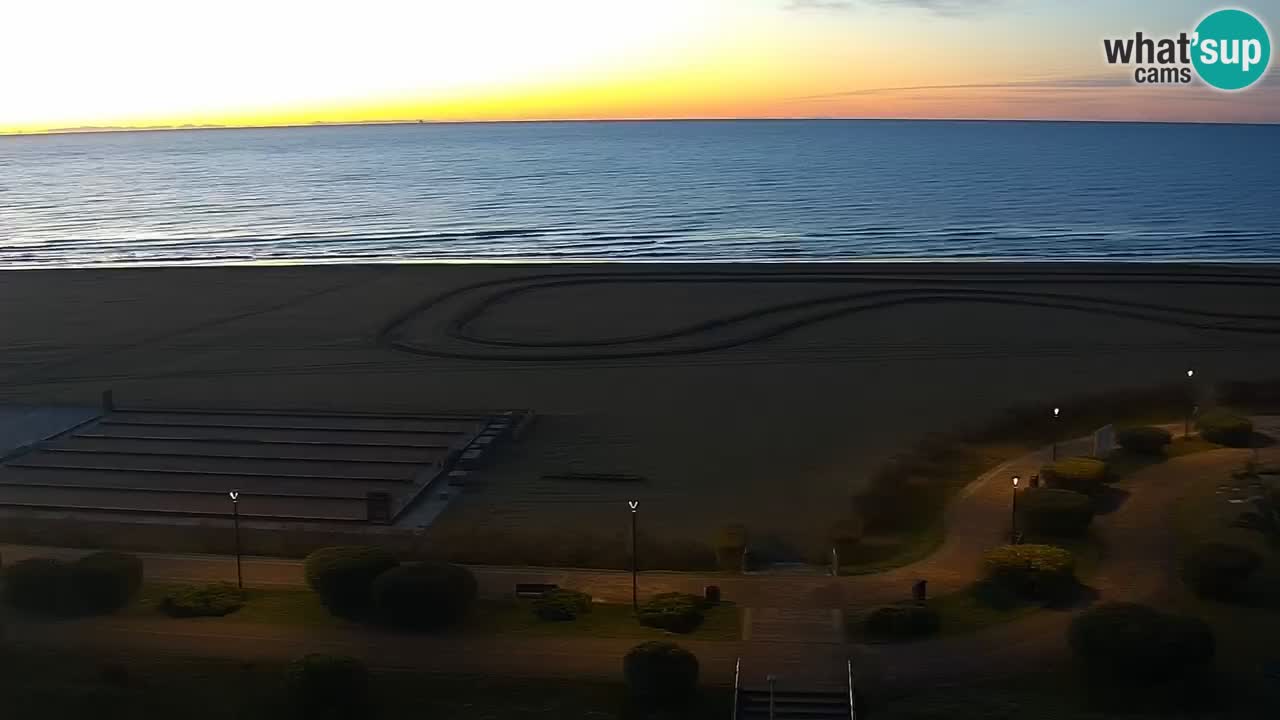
1137,565
444,325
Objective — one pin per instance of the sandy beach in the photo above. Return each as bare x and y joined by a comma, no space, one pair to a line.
754,394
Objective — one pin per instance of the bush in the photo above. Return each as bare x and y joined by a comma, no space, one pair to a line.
846,534
660,673
343,576
423,596
1078,474
902,622
214,600
1219,569
40,585
106,581
1225,428
1144,440
1033,572
1127,643
731,543
559,605
673,612
1045,511
328,687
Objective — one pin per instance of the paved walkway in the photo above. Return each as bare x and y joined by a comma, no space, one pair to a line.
793,622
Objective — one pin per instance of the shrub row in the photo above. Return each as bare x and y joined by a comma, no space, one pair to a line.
562,605
1225,428
215,600
1055,513
97,583
1077,474
1042,573
1127,643
673,612
901,622
1144,440
1219,569
355,581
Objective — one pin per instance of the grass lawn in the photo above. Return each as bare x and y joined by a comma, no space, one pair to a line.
489,617
63,686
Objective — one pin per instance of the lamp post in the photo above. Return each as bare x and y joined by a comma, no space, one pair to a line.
1191,401
1057,412
635,597
235,519
1013,514
773,682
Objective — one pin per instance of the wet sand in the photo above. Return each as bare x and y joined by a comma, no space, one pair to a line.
754,394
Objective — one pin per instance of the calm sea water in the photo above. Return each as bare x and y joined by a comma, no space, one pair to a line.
655,191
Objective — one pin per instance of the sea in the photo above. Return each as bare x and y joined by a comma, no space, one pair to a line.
663,191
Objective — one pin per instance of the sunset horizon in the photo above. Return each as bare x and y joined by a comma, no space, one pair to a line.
138,65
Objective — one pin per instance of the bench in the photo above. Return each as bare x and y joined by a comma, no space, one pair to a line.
534,590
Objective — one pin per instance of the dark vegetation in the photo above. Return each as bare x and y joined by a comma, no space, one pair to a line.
97,583
1215,569
1054,513
213,600
1125,646
1144,439
1078,474
906,621
343,576
673,612
1040,573
328,687
1225,428
660,674
423,596
562,605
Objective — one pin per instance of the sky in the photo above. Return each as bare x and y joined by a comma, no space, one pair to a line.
77,64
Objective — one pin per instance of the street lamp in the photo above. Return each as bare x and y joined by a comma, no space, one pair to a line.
1013,514
235,518
635,597
1057,412
1191,400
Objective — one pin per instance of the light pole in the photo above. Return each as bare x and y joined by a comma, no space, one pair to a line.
773,681
1191,401
635,564
1013,514
1057,412
235,519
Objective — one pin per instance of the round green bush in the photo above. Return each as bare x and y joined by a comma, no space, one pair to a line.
561,605
1079,474
731,542
1128,643
214,600
1144,440
106,581
901,622
343,576
40,586
423,596
673,612
1060,513
1219,569
1225,428
660,673
328,687
1033,572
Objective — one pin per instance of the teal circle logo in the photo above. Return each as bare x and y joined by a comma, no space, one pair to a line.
1232,49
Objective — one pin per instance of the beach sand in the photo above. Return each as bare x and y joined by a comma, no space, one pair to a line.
754,394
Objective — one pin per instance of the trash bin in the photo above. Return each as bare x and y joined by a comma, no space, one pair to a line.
711,594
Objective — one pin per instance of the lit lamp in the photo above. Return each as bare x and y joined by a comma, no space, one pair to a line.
1191,400
1013,515
635,598
1057,412
235,519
